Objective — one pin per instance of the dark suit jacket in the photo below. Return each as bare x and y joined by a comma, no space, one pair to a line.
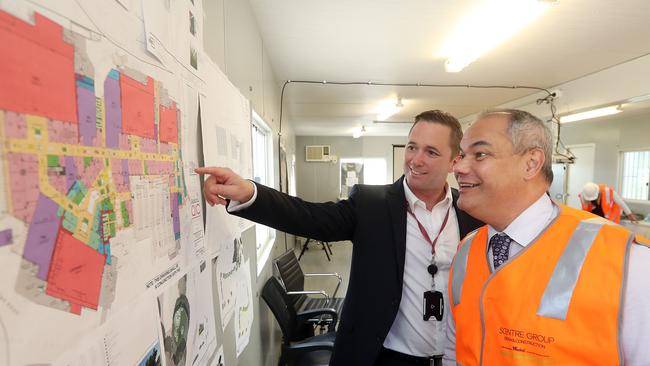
374,219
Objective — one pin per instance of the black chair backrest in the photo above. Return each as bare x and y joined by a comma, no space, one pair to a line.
285,314
291,275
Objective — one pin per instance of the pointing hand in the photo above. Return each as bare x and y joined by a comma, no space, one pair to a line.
223,184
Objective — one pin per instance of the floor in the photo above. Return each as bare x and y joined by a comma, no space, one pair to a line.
315,261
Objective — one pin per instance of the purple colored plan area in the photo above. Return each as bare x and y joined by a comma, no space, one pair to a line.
6,237
87,109
70,171
113,109
175,215
42,235
125,172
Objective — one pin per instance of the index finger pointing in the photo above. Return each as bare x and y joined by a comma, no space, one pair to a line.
212,170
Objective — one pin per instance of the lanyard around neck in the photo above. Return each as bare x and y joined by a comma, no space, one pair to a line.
424,231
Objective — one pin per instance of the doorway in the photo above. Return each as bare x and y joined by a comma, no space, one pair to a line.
580,172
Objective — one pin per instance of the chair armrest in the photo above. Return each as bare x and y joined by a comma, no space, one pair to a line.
322,293
323,274
323,342
320,311
309,314
332,274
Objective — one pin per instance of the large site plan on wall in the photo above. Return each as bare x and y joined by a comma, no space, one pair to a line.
101,222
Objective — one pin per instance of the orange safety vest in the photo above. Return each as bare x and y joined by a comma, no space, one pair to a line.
557,302
611,209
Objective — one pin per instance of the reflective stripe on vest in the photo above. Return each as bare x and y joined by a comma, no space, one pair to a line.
460,268
611,210
557,296
607,193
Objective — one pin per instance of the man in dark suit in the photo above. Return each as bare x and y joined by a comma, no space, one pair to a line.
404,237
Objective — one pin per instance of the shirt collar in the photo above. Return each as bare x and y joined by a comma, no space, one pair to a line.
530,223
413,200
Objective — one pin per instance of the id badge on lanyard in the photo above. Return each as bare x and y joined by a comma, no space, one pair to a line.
433,304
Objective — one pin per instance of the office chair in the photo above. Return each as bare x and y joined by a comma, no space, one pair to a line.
297,350
325,245
293,279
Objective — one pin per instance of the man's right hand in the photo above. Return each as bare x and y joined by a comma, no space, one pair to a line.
223,184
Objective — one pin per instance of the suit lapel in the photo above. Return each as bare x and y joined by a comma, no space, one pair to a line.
396,201
459,213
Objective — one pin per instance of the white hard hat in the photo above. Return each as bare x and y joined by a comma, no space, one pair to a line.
590,191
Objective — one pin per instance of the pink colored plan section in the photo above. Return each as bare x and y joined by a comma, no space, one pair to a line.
137,107
37,68
15,126
168,123
120,173
62,132
148,145
57,177
156,167
23,182
88,170
135,167
75,272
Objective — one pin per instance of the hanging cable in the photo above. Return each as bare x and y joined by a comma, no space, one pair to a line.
548,99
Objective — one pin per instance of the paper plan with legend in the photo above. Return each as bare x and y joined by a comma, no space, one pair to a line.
98,203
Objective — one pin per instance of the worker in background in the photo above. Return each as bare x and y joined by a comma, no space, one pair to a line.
541,283
603,200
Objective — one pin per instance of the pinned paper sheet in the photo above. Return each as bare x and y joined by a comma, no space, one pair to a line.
351,181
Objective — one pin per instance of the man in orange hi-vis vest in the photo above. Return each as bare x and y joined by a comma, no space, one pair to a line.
603,200
541,283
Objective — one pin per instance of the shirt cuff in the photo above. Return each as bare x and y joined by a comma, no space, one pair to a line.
235,206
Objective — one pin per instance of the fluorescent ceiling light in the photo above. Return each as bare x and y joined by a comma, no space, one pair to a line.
591,114
638,99
489,24
388,107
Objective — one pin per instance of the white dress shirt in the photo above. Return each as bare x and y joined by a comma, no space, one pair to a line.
234,206
635,329
409,333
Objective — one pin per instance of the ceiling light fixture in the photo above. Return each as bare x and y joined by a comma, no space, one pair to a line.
489,24
639,99
388,107
600,112
359,132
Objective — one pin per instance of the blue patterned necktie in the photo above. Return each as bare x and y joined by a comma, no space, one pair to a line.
500,244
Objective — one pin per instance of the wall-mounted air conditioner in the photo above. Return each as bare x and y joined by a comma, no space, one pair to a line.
317,153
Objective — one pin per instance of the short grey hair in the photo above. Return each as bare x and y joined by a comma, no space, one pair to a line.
527,132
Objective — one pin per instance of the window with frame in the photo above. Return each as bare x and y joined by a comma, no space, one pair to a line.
263,174
292,176
635,175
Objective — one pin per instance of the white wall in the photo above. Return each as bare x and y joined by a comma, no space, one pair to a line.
318,181
232,40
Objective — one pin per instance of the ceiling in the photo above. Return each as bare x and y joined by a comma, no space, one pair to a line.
398,41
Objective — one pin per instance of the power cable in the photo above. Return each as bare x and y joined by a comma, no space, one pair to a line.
548,99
